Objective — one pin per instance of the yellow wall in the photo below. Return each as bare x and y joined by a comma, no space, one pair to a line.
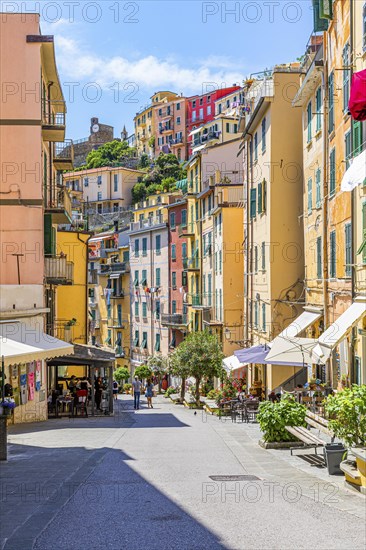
72,301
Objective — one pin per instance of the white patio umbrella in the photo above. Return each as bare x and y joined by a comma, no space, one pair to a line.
292,350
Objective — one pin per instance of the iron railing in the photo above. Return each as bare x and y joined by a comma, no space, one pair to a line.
58,270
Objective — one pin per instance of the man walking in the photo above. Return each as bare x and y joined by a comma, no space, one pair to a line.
136,384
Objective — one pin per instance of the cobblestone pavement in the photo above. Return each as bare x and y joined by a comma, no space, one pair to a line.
143,479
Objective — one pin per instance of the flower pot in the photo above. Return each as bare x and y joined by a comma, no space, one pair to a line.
334,453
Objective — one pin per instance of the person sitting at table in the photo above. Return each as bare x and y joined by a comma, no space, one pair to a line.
71,386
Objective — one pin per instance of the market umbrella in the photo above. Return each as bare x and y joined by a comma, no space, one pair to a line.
294,351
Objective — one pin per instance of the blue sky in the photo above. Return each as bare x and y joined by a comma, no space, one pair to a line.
113,55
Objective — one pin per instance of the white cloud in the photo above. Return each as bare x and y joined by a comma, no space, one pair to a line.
146,72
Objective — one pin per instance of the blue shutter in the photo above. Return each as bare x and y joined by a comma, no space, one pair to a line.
253,202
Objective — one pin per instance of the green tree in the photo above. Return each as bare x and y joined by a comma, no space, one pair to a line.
144,161
202,353
121,374
139,192
109,154
143,372
347,414
179,367
159,365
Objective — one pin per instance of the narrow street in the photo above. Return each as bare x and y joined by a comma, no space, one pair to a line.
142,479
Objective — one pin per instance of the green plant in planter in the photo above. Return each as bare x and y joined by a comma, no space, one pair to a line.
143,372
127,387
347,415
213,394
273,417
169,391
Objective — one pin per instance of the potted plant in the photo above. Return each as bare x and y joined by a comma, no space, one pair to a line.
273,417
8,405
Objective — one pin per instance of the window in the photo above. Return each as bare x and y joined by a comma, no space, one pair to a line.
362,249
157,342
174,306
310,195
119,315
264,317
158,245
228,127
332,258
346,76
173,341
178,119
174,252
137,312
99,196
184,218
318,193
160,112
184,278
209,289
331,102
256,146
174,280
235,126
157,276
309,119
157,309
348,149
348,255
208,99
144,340
263,256
86,182
115,182
260,198
172,220
220,261
264,195
144,246
208,110
99,180
109,338
184,250
137,248
319,263
136,279
201,100
136,339
332,172
263,135
144,310
253,202
220,304
318,98
201,114
143,281
109,311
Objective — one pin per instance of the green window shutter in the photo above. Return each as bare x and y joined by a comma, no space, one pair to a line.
157,276
144,309
253,203
48,235
346,76
184,278
348,149
260,198
184,218
144,246
256,312
332,173
320,25
362,249
174,252
263,256
174,279
357,138
318,189
144,340
136,309
318,109
157,342
331,103
174,306
309,119
333,259
264,317
319,267
310,195
326,9
348,255
136,339
136,279
119,314
264,193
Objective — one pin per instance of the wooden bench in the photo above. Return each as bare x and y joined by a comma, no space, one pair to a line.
310,440
319,423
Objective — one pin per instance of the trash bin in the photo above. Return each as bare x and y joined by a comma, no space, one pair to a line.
334,453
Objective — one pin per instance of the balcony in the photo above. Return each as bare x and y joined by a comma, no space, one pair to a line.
174,320
53,120
166,129
58,271
117,267
93,277
64,155
117,323
228,196
186,230
58,204
176,141
194,264
150,223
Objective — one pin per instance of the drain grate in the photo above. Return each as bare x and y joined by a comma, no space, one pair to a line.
235,478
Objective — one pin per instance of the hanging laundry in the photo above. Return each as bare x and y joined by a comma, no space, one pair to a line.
357,101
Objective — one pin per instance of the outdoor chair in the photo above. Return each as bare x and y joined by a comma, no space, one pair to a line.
251,409
82,397
307,401
238,410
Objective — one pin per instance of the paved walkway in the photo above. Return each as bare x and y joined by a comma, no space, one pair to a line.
142,479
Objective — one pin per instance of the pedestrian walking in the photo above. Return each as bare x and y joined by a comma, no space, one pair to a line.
149,393
98,386
136,385
115,389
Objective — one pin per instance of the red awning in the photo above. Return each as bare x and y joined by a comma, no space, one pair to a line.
357,102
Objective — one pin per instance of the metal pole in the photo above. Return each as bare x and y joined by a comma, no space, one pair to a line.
2,378
3,419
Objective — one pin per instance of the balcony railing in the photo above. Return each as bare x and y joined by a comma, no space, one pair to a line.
64,155
114,322
186,230
58,271
58,203
117,267
176,141
53,120
147,224
174,319
93,277
119,293
193,264
229,195
205,138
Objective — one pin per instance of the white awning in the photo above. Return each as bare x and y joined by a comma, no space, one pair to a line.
115,275
356,173
300,324
231,363
338,330
195,131
20,343
198,148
